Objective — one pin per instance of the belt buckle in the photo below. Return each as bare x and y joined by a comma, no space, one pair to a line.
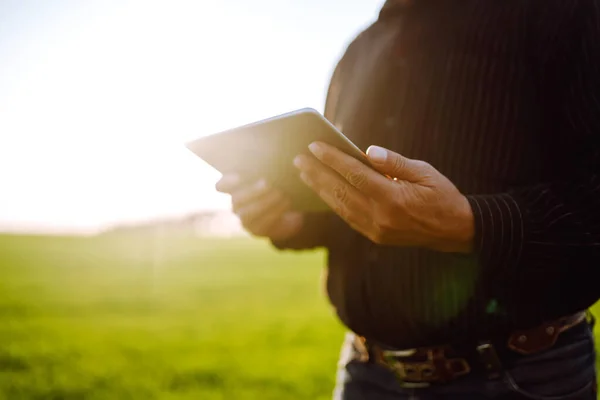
420,374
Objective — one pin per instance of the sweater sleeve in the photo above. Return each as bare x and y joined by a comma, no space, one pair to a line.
555,226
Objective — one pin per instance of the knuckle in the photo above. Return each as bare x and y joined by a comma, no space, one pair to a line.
376,236
339,210
356,178
399,163
422,165
340,193
383,224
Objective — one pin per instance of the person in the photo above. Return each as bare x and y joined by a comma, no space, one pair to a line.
467,275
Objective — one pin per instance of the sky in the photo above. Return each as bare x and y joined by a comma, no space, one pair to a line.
97,98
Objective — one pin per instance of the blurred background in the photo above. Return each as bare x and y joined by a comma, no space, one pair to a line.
123,275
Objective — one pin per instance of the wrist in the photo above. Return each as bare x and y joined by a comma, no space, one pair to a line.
460,237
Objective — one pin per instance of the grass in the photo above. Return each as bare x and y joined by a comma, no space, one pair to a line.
136,316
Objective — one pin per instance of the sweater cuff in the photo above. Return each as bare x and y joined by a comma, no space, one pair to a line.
499,231
314,233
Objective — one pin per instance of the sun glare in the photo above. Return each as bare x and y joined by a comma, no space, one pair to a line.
102,97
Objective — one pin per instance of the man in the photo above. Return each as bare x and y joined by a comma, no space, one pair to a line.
466,277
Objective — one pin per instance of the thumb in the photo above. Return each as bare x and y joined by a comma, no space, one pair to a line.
395,165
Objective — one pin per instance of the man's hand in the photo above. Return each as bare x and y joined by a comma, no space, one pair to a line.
419,207
262,210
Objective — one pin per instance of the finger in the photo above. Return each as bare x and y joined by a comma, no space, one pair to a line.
245,195
353,171
265,223
352,212
228,183
252,212
390,163
343,198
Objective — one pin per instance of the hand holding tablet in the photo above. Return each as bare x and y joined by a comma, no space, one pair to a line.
264,152
263,210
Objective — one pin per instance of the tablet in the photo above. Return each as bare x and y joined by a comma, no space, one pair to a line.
266,149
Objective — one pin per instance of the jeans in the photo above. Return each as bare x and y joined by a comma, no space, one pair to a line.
565,372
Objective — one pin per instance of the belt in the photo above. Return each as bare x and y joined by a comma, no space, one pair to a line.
425,366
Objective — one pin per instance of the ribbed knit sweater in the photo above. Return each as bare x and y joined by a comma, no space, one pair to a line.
503,98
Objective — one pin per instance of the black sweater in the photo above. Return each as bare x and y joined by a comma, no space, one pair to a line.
503,98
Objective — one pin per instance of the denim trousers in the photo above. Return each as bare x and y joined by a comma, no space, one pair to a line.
565,372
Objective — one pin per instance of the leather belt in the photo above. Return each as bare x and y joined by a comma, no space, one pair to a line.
424,366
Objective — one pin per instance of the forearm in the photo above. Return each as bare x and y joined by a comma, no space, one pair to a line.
549,230
549,234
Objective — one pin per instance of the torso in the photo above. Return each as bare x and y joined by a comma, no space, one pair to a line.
435,85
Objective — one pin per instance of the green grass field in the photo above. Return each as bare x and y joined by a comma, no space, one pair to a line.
140,317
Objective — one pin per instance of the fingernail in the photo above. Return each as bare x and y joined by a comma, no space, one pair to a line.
377,154
298,161
316,149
